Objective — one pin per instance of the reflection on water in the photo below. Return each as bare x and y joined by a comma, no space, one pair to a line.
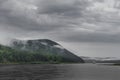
59,72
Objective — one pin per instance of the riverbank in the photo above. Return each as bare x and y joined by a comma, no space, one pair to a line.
40,63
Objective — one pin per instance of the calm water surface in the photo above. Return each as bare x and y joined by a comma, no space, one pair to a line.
59,72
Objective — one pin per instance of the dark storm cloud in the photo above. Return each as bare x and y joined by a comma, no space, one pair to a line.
66,20
64,8
25,16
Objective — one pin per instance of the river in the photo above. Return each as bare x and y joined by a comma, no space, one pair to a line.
59,72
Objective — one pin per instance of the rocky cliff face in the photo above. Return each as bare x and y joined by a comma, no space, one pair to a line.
45,46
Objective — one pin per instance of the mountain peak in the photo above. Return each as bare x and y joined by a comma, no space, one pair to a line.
48,41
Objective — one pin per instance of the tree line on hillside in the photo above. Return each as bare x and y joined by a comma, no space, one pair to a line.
9,55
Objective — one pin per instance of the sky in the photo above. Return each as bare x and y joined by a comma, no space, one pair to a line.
85,27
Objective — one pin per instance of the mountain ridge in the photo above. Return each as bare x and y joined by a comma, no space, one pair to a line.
36,50
46,45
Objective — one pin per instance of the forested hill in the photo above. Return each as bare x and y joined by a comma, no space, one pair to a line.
36,51
9,55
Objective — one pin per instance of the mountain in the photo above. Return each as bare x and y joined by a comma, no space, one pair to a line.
45,49
101,59
88,59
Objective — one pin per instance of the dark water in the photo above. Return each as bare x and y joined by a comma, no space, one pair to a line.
59,72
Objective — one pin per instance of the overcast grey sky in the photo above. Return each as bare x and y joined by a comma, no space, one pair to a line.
85,27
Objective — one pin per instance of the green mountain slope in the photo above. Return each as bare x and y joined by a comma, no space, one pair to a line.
36,51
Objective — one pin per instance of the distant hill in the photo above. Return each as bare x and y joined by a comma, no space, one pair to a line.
101,59
40,50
